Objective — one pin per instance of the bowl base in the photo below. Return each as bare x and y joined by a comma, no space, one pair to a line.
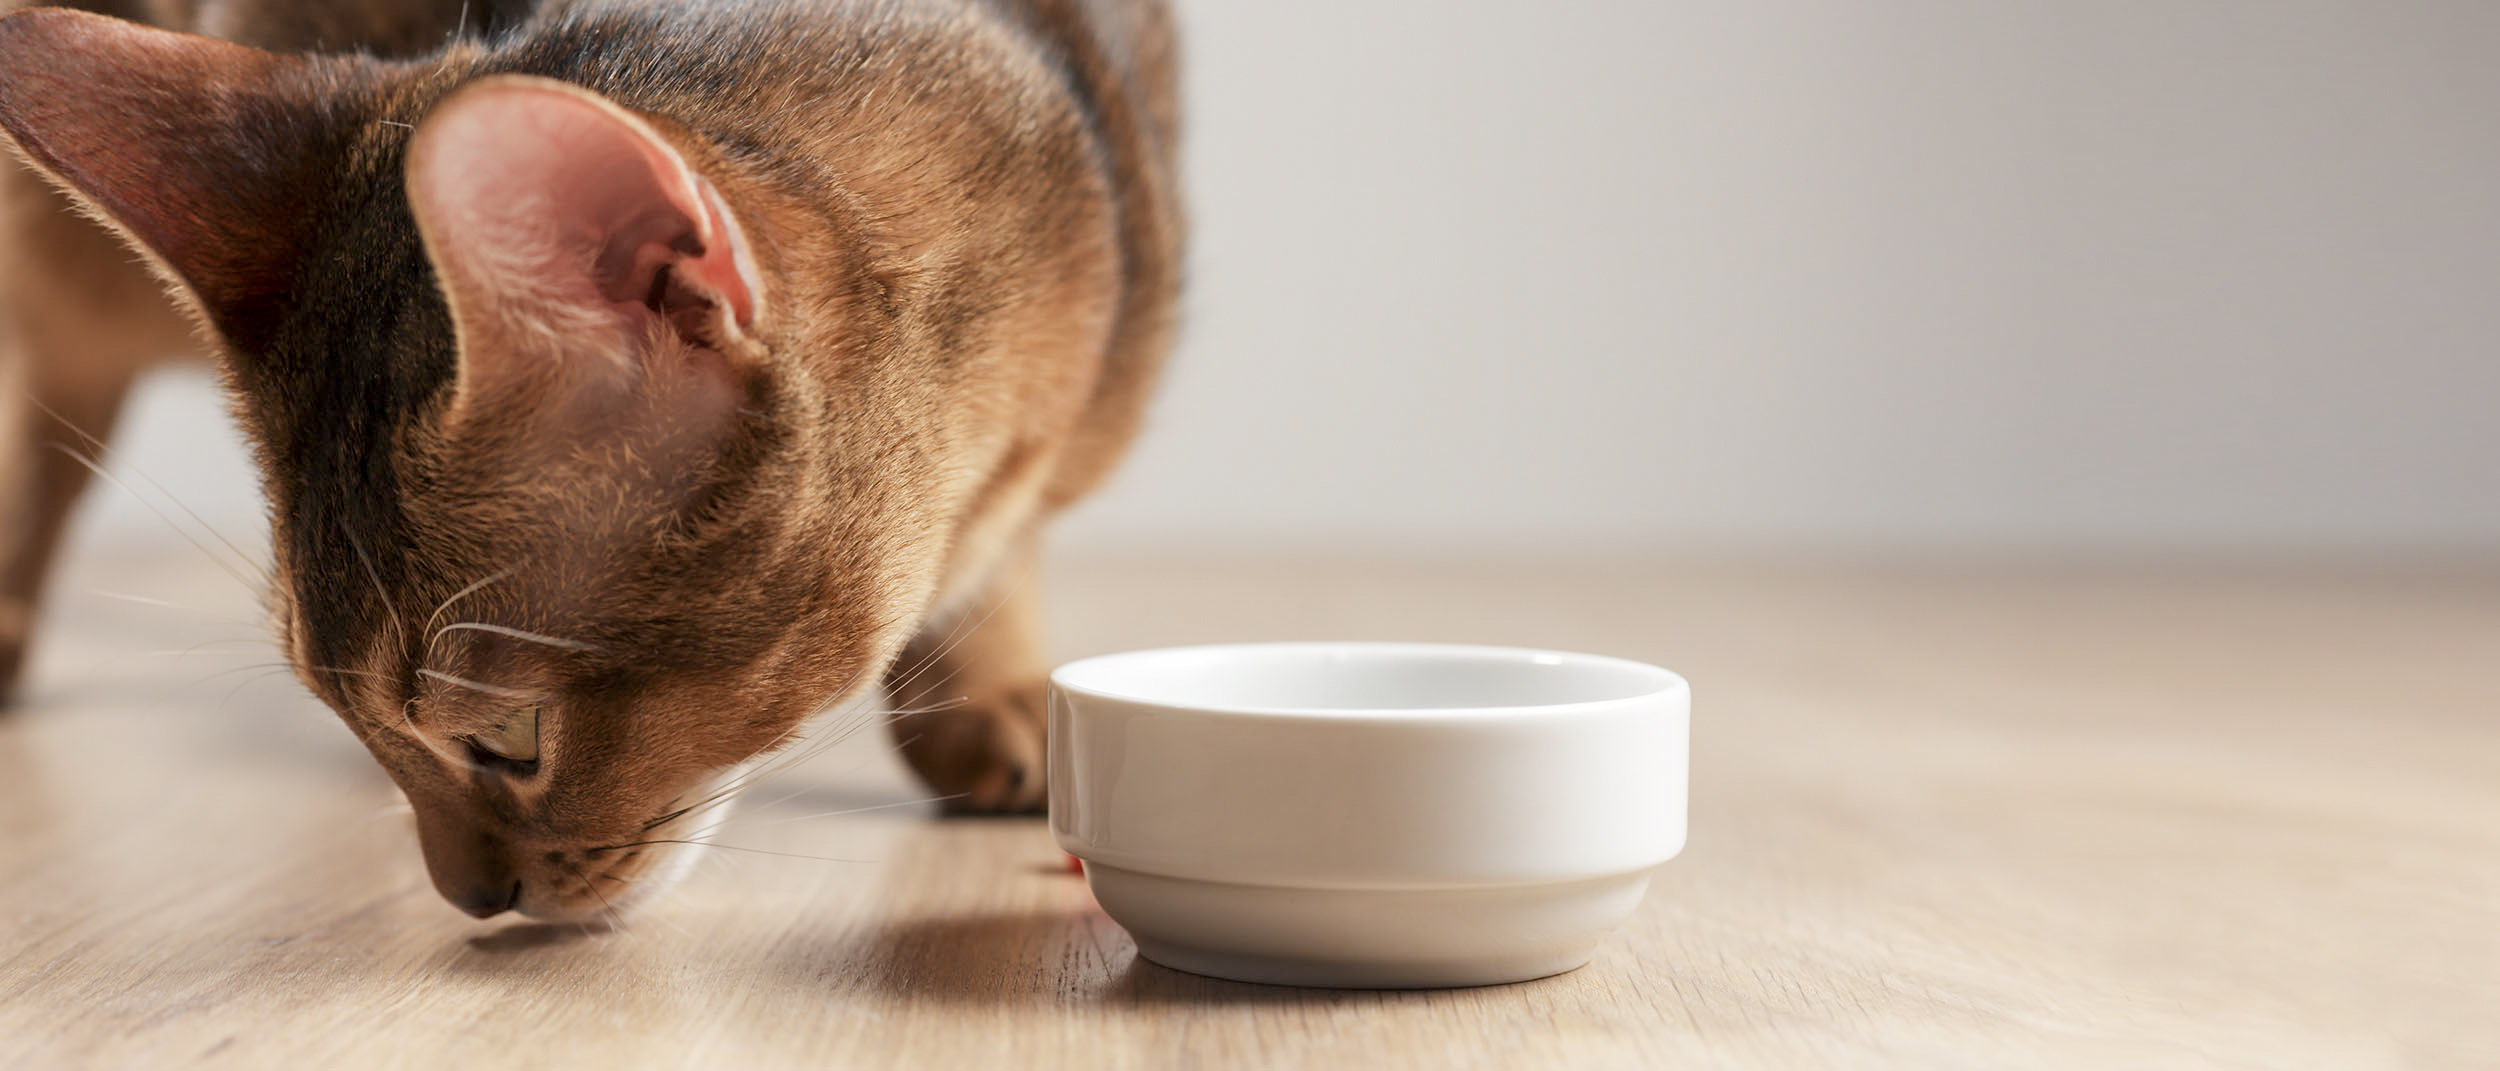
1337,974
1366,938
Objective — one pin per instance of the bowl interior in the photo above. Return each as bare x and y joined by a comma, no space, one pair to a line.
1347,678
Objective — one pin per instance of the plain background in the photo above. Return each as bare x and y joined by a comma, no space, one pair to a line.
2118,276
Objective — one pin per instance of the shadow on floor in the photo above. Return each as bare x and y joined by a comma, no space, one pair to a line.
533,936
1076,956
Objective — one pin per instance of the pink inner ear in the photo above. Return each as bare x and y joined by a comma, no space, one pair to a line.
546,192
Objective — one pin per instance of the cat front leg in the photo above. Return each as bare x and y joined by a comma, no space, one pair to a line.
969,694
40,482
78,321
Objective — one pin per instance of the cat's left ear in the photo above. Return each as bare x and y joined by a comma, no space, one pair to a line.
575,244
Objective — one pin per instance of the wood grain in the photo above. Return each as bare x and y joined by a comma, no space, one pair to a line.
1991,816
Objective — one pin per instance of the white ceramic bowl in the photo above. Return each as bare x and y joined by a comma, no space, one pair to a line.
1367,815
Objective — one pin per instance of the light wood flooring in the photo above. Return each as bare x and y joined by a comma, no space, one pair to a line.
1985,815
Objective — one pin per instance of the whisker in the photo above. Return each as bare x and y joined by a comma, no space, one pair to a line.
246,683
257,589
729,792
201,646
833,736
721,795
496,690
606,909
929,708
735,848
104,450
768,761
144,600
456,596
232,670
514,633
862,810
725,786
900,685
408,717
617,919
372,574
957,635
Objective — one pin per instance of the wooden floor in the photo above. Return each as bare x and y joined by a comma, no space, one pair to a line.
1988,817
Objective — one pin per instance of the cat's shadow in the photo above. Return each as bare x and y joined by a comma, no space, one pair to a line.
534,936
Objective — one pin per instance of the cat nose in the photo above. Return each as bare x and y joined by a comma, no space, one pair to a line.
486,902
470,866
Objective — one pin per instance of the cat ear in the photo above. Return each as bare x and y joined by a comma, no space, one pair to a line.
184,144
558,221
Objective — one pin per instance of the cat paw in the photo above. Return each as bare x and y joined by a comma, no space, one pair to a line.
985,756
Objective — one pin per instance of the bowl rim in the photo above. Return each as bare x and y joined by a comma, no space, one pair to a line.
1665,683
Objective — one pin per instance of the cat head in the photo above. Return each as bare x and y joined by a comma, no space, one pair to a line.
554,531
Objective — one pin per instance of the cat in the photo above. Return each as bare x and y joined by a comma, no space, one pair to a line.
628,380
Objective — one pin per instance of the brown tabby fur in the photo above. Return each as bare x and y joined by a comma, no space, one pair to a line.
961,210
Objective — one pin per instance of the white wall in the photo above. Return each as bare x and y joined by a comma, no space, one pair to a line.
1925,274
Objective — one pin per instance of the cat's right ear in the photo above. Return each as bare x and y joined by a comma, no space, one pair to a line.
183,144
581,253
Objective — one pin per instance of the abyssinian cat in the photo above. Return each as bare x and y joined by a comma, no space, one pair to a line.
629,379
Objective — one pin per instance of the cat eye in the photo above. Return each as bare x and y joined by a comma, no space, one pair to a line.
511,745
